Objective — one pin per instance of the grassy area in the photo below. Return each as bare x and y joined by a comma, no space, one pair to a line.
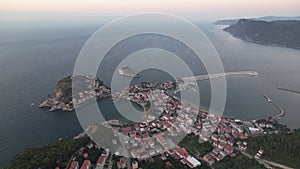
192,145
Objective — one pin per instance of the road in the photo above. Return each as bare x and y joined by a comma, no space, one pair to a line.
125,151
265,162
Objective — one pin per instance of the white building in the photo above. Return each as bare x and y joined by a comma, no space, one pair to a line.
193,162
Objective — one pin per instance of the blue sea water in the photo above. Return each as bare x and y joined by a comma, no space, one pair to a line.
36,53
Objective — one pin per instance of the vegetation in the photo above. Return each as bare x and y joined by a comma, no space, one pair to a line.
49,156
282,33
282,148
63,89
238,162
192,145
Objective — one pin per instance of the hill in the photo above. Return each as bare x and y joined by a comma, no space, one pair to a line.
48,156
285,33
264,18
74,91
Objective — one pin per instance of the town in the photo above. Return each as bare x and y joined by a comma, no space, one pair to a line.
166,120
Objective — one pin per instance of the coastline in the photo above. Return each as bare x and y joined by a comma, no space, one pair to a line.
264,43
175,115
140,94
117,123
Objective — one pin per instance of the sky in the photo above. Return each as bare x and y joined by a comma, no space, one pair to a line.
212,9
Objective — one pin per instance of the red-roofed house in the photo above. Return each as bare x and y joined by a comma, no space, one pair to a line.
176,156
184,161
168,163
86,164
171,151
122,163
228,149
182,153
101,161
161,139
86,155
74,165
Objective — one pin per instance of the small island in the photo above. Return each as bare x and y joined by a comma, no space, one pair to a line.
127,71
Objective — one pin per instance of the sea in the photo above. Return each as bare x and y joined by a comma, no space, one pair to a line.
36,52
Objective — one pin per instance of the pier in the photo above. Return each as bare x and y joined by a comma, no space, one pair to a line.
288,90
281,110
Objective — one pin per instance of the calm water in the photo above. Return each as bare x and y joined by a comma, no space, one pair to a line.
35,54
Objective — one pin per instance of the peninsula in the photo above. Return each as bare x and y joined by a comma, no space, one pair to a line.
85,89
284,33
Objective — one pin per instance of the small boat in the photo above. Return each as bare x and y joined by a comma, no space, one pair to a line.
32,104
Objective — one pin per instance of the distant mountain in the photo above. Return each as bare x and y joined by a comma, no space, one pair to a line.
284,33
265,18
226,22
274,18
